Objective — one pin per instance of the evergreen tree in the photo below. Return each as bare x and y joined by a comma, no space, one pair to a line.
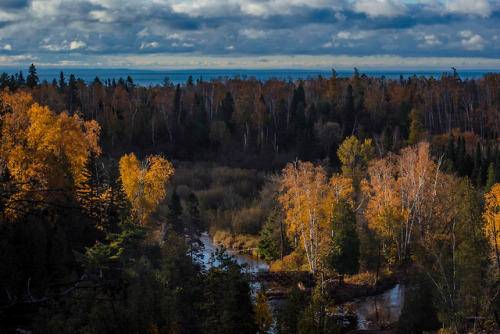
20,79
287,317
174,216
476,176
450,152
116,207
227,111
62,82
344,251
89,193
491,178
419,313
348,113
192,204
32,78
227,306
316,319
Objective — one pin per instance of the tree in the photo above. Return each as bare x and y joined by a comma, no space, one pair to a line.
174,216
492,226
273,243
263,312
303,193
316,319
308,199
45,153
343,255
402,194
354,157
145,183
226,304
32,78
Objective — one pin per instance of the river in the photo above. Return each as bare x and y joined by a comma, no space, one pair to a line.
378,311
254,264
372,312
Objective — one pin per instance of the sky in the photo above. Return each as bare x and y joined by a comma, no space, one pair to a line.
250,34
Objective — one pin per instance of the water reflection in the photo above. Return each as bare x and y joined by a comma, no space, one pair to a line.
372,312
379,311
254,263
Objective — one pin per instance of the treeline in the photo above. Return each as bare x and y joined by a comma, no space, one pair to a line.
232,119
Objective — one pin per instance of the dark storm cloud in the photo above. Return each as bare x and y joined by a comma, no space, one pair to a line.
251,27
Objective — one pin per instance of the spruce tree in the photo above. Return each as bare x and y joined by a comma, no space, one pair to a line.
174,216
32,78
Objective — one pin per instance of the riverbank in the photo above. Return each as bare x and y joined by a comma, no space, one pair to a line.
246,244
353,289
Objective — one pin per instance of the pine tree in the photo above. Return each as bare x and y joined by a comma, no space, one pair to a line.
344,248
32,78
476,176
89,193
491,178
192,204
174,217
116,205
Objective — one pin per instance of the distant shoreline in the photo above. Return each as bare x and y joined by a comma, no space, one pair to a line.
155,77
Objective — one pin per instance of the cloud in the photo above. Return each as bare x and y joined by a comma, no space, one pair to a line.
152,45
354,35
429,41
64,46
77,45
253,33
376,8
472,42
57,30
480,8
184,45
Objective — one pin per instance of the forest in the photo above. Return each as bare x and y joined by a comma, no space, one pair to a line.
107,185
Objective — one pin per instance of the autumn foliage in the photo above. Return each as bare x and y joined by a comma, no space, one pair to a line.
42,151
145,182
308,200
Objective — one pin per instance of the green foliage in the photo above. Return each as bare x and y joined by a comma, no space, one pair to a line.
274,243
344,252
174,216
287,317
227,307
419,312
316,319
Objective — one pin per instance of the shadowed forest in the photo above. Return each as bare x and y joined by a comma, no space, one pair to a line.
106,187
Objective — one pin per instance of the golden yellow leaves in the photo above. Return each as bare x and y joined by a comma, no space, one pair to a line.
145,183
43,150
492,218
404,192
308,200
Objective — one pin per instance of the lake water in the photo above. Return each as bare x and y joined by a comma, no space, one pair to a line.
152,78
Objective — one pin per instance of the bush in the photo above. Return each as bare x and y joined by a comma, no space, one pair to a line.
249,221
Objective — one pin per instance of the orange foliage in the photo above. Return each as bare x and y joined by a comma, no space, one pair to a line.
42,150
492,218
308,200
145,183
403,194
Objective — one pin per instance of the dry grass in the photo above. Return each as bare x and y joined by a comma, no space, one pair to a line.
235,242
367,278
